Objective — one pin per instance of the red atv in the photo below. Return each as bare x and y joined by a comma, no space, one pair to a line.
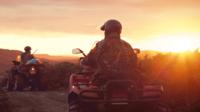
30,75
117,95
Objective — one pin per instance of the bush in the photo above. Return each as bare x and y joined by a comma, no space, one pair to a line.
56,76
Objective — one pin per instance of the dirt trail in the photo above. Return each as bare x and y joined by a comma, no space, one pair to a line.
37,101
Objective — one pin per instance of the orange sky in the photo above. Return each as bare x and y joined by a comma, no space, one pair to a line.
56,26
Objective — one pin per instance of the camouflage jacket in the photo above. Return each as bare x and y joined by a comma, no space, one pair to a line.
113,56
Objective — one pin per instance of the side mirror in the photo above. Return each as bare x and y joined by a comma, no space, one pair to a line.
77,51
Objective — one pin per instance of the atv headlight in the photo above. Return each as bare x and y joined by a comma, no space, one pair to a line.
32,70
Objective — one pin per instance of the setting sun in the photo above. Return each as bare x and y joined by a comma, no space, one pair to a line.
176,43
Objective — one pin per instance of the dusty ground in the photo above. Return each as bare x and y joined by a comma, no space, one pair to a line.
45,101
37,101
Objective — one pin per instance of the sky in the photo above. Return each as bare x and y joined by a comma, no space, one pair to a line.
57,26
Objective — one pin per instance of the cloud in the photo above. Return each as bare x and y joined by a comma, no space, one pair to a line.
85,16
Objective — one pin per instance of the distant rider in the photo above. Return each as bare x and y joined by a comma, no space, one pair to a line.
26,55
112,55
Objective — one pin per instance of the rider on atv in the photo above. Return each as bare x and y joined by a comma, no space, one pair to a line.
112,55
26,55
30,70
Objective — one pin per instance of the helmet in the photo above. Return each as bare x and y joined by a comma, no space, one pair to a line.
112,25
27,48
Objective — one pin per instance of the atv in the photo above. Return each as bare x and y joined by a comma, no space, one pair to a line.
30,75
116,95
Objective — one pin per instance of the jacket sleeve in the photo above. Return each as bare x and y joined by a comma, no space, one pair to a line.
90,59
133,56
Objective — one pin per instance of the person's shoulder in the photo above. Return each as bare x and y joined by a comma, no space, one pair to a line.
23,53
100,43
32,56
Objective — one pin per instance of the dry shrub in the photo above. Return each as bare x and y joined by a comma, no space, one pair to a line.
56,76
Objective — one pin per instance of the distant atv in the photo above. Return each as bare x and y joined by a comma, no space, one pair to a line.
117,95
29,75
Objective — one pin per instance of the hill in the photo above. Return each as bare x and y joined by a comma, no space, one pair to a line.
71,59
6,56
